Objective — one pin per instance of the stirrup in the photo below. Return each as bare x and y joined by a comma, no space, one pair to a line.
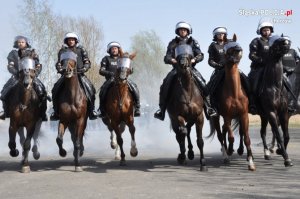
211,112
54,117
137,113
159,115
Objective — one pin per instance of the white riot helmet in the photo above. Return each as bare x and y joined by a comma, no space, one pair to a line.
219,30
71,35
264,24
184,25
113,44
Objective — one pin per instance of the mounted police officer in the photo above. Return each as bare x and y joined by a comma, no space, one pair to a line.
183,30
108,69
217,61
290,61
259,50
71,42
23,49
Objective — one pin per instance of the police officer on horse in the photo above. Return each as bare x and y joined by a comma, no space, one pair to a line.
259,50
23,49
217,61
71,42
183,31
108,69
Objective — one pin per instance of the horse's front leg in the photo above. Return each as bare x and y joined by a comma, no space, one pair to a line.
181,131
21,135
275,130
14,152
263,132
191,154
36,153
120,143
77,138
200,142
133,150
26,149
59,140
244,130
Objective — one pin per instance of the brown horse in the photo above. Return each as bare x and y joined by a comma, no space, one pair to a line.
119,106
185,106
24,112
72,104
232,104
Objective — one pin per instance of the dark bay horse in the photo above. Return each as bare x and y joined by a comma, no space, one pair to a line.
119,106
272,100
72,104
185,106
24,111
232,104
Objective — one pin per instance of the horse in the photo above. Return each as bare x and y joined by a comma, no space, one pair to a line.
232,104
185,107
272,100
72,105
119,106
294,78
24,110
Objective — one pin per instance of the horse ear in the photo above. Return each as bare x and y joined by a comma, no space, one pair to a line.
121,52
234,37
132,56
281,34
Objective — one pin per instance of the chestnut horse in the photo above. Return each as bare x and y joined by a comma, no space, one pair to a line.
24,111
185,107
232,104
72,104
119,106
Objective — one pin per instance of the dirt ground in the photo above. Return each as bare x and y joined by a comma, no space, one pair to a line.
153,174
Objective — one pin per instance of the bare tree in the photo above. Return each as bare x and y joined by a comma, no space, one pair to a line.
149,68
46,30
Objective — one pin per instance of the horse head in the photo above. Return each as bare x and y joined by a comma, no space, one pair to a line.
124,68
183,54
233,52
279,45
26,71
68,60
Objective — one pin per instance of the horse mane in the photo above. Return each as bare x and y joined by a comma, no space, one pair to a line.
126,54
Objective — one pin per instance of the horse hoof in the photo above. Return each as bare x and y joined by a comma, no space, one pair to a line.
226,161
117,157
267,157
251,168
279,152
230,152
133,152
181,159
36,155
240,151
203,168
81,153
122,163
14,153
34,149
78,169
25,169
62,153
191,155
288,163
113,145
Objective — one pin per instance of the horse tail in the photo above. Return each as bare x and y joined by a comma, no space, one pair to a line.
212,129
235,125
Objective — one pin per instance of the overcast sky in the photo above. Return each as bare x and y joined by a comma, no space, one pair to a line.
120,20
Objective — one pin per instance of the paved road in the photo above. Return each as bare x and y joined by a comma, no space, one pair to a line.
153,174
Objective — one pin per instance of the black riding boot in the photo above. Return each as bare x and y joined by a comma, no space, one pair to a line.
136,95
163,95
44,110
4,114
92,113
247,87
54,116
211,112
